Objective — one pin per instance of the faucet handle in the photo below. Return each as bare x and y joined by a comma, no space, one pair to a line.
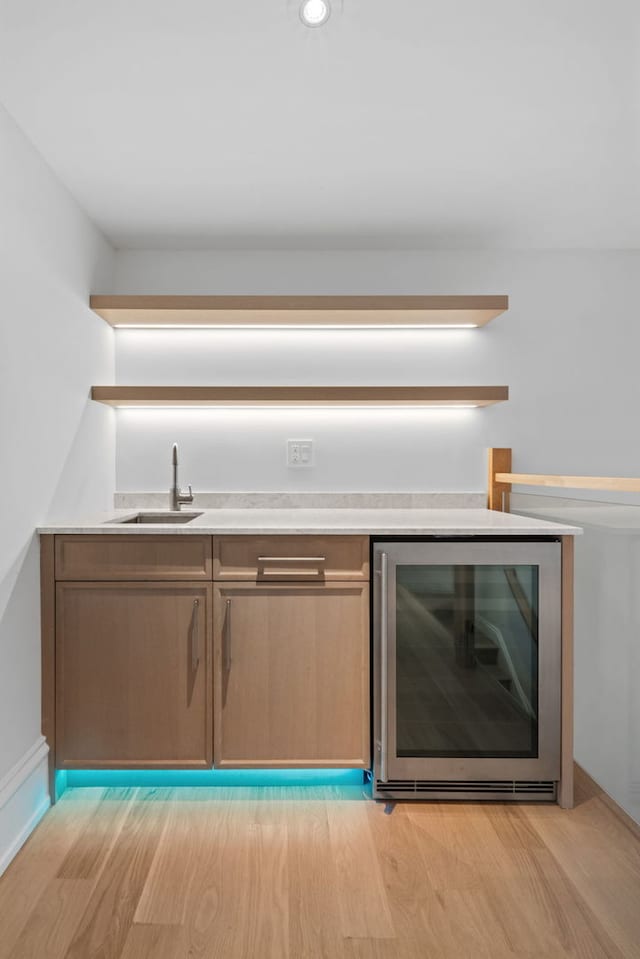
183,497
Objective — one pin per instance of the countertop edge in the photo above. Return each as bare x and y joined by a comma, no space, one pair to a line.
401,522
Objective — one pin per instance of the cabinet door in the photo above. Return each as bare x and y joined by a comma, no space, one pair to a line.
292,675
133,675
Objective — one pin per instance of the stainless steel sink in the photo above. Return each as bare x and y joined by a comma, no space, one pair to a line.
156,518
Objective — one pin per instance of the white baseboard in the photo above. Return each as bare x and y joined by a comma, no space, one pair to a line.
24,799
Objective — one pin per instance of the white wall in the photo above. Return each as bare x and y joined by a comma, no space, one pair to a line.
607,626
567,348
56,447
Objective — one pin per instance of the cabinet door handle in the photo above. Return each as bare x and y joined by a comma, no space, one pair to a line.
384,654
292,559
195,639
226,657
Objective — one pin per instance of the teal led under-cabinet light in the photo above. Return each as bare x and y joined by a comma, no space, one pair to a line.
213,777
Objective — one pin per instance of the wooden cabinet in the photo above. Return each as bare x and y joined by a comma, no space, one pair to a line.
133,674
131,677
291,674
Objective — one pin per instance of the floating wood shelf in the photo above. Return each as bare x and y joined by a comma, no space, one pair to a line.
460,396
287,311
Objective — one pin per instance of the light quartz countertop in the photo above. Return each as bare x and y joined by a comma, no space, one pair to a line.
370,522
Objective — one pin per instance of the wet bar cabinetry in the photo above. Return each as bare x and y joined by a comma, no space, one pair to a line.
157,646
168,649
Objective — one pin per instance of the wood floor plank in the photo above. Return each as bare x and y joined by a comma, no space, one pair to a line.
459,924
267,893
89,852
405,878
471,875
364,909
387,949
156,942
457,843
273,804
109,914
239,906
314,909
424,911
38,861
54,920
600,857
436,885
214,914
534,901
169,884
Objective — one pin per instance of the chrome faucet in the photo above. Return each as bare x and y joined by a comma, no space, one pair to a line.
176,496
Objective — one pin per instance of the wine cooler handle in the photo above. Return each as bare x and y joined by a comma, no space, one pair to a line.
384,656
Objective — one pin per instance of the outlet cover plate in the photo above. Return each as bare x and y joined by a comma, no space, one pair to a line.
300,454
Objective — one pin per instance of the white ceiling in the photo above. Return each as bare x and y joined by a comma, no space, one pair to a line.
405,123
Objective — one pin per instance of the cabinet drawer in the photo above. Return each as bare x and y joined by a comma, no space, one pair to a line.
266,559
133,557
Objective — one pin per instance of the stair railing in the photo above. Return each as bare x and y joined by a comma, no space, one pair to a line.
501,479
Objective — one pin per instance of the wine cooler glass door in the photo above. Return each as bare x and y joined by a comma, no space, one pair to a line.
470,661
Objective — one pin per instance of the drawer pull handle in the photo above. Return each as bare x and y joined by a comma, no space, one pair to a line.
291,572
195,657
226,658
292,559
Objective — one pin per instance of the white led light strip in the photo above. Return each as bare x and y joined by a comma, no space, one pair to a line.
292,326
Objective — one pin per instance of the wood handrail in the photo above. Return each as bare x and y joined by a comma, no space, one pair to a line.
501,480
620,483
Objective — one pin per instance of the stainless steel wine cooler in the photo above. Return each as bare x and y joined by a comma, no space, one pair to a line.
467,669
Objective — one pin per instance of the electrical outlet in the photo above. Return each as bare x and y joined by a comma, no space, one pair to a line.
300,453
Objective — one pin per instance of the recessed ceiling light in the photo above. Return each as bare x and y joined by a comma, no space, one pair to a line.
314,13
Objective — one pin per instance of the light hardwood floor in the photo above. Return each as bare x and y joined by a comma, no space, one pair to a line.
320,874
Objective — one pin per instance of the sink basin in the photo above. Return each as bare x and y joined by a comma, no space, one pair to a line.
166,517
